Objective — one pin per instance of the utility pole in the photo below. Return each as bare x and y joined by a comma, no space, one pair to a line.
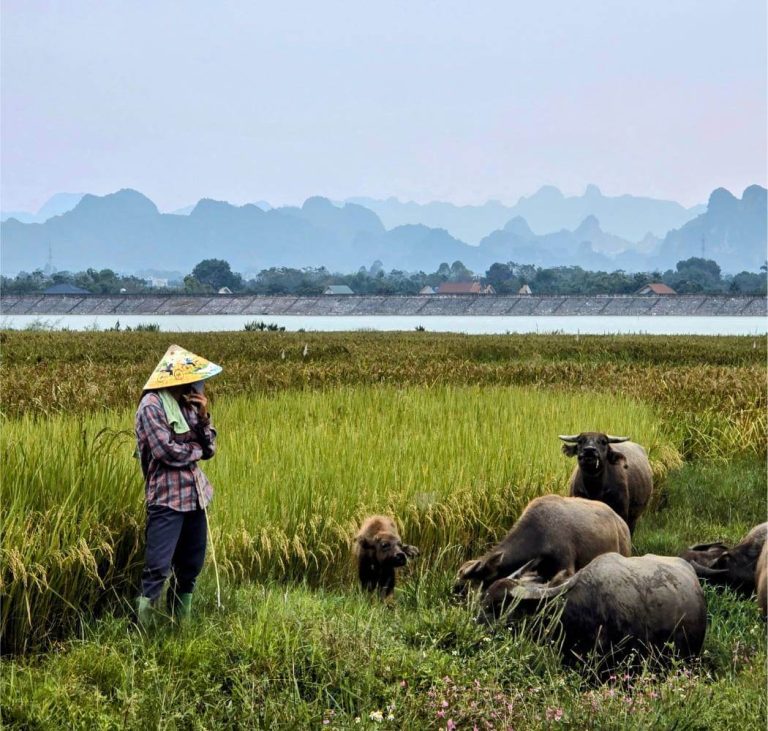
48,270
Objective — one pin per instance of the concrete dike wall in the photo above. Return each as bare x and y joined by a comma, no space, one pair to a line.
351,305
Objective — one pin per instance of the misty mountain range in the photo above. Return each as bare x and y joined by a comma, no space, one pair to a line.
547,210
126,232
54,206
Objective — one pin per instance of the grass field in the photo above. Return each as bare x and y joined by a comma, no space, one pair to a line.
454,434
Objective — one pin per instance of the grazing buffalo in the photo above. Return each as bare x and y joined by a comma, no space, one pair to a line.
735,567
651,605
612,470
761,580
379,551
555,536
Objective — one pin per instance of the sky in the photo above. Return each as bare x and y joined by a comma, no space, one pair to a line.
442,100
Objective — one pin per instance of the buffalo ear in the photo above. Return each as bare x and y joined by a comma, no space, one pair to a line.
480,568
615,457
570,450
410,551
491,564
468,570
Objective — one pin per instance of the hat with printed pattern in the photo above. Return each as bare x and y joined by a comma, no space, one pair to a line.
179,367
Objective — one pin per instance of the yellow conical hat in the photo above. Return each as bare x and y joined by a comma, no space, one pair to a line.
179,367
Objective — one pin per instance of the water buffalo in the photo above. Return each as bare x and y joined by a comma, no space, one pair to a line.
612,470
761,580
379,551
735,567
613,606
555,536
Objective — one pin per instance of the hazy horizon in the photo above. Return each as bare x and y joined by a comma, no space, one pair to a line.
246,102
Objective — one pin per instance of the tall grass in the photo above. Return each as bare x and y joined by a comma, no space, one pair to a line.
295,473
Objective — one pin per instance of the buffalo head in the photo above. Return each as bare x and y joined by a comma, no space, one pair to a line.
592,450
734,567
387,548
517,595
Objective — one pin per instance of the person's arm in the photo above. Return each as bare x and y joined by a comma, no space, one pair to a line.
200,419
160,438
206,436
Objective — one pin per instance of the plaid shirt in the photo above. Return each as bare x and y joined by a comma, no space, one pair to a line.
169,460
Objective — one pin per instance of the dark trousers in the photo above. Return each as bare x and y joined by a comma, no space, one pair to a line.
175,542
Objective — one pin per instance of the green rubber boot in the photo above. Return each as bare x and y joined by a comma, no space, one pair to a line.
145,612
184,607
179,606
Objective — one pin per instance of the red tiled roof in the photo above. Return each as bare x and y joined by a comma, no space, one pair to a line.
658,288
459,288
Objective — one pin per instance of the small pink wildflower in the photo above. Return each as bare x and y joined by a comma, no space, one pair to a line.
450,726
554,714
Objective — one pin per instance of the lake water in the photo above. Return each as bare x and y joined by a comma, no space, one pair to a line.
478,324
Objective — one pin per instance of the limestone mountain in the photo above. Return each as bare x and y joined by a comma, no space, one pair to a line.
126,232
731,231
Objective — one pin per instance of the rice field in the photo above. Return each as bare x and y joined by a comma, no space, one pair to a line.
294,475
452,434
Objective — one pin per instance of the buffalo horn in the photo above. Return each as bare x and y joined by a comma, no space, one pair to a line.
574,438
705,572
707,546
527,565
616,440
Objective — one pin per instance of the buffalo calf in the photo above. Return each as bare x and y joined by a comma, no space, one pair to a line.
379,551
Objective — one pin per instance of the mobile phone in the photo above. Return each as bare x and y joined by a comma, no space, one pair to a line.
197,387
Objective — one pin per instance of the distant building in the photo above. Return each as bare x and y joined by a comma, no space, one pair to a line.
338,289
157,282
525,289
225,290
465,288
65,288
656,288
427,290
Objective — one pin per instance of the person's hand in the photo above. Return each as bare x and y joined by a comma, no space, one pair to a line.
199,402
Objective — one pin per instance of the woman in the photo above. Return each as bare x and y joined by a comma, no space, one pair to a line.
174,432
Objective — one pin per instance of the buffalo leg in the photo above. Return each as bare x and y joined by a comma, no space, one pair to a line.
369,575
386,582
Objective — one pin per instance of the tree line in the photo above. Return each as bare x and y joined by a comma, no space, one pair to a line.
690,276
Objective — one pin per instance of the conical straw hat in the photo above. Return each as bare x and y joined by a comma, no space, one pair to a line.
179,367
